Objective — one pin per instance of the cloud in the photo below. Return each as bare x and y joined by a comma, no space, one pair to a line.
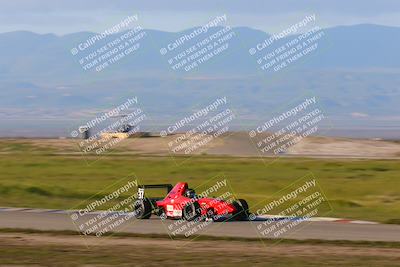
354,7
269,15
359,115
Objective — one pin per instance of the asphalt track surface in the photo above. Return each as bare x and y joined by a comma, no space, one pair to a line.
61,220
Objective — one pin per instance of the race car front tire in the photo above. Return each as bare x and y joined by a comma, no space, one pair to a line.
242,210
191,211
142,208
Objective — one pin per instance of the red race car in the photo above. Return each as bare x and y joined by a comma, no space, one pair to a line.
181,202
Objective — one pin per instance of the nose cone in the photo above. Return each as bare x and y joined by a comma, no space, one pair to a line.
231,208
226,207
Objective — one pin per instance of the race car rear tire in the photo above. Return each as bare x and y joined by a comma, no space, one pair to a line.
142,208
242,210
191,211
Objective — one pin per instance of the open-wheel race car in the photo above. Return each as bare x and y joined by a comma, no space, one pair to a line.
181,202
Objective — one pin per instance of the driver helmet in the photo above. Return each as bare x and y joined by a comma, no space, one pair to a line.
190,193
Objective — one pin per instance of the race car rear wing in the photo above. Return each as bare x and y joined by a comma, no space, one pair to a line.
141,189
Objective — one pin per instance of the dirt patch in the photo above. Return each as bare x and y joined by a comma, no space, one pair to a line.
237,144
240,247
47,250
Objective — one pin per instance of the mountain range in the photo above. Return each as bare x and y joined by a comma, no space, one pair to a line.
354,73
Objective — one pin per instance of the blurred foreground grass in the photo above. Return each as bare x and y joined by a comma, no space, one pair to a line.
68,249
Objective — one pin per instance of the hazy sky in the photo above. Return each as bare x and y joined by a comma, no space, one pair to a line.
66,16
